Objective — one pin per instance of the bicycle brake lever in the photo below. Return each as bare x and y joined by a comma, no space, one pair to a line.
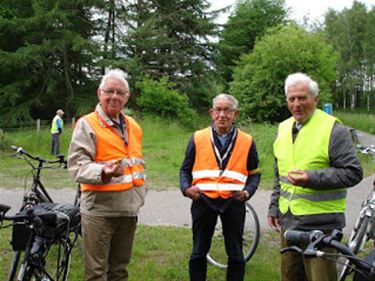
291,249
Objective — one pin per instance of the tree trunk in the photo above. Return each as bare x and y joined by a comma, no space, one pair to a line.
68,84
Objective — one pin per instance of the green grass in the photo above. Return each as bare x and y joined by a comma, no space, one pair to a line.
361,121
164,145
162,253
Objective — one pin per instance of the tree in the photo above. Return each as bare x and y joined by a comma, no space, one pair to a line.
41,70
166,38
250,20
350,34
258,80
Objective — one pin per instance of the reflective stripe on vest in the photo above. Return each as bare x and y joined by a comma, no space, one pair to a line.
110,146
308,152
206,172
216,173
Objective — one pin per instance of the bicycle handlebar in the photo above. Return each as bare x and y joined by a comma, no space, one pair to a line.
21,151
316,241
34,218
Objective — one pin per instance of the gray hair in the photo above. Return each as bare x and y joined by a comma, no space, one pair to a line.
117,74
301,78
230,98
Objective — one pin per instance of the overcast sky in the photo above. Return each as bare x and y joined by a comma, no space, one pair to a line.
313,9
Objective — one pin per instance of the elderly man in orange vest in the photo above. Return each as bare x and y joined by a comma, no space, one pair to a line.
219,173
105,157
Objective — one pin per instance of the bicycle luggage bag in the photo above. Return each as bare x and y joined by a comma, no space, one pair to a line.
56,219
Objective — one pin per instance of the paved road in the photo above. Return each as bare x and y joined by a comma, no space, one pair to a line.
171,208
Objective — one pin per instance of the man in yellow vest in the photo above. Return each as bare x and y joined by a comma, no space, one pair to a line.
56,129
105,157
315,163
219,173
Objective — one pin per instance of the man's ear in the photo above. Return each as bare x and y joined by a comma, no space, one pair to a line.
316,98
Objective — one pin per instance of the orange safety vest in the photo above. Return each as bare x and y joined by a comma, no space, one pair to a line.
206,171
110,146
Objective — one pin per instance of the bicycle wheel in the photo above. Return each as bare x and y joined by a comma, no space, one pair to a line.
356,242
217,255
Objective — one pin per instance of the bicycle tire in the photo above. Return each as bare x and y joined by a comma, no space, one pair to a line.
14,266
358,240
217,255
355,243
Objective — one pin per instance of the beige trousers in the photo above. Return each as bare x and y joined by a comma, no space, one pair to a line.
294,267
107,245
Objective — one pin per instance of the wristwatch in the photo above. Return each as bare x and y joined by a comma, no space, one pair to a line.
247,194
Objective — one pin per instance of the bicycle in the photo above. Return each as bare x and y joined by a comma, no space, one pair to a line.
316,241
217,255
368,150
363,230
46,233
35,195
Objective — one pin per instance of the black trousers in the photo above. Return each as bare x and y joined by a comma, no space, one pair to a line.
204,215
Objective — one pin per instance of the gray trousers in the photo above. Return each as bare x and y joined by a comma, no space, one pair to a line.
107,245
55,148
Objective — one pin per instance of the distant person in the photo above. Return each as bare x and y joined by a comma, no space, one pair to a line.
219,173
315,161
105,157
56,130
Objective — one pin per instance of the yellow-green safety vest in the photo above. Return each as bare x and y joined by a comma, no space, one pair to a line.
308,152
54,129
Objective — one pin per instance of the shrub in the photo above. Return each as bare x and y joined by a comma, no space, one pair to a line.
159,98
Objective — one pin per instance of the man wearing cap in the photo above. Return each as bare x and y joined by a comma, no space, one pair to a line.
56,130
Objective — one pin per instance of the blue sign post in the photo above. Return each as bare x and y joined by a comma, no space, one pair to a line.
328,108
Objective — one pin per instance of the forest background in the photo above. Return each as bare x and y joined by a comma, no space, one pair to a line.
53,53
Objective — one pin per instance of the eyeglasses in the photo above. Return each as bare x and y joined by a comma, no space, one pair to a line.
226,111
112,92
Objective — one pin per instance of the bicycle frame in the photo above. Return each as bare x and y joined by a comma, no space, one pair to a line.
40,241
37,193
363,230
367,212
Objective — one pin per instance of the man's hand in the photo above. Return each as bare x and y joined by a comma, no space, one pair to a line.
112,169
239,195
298,177
193,192
274,223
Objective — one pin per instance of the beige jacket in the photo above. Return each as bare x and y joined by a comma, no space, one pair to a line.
84,170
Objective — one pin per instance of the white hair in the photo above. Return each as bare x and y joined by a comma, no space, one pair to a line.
117,74
232,99
301,78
